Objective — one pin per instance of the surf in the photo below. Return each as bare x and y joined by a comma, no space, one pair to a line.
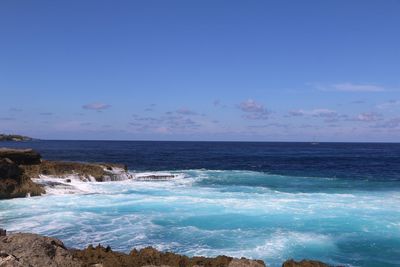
212,212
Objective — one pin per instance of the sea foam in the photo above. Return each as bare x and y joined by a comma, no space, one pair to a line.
205,212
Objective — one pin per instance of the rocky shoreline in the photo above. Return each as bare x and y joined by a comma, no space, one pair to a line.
32,250
21,171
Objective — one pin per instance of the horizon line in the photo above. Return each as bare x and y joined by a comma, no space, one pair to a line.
210,141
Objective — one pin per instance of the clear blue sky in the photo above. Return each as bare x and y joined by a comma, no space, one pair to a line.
201,70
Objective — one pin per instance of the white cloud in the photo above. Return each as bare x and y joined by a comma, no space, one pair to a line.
186,111
251,106
321,112
368,117
351,87
393,123
96,106
389,104
254,110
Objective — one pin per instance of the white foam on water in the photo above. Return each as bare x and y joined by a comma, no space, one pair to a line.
71,184
181,215
117,174
276,248
157,176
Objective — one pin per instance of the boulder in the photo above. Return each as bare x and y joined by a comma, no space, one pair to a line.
21,156
36,251
14,183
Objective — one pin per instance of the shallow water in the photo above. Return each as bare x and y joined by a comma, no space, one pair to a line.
298,212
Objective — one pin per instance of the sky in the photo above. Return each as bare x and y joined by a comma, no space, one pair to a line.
204,70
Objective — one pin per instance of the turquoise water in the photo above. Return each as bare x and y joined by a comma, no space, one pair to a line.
236,213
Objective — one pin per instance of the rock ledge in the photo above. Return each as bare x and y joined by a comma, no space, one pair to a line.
36,251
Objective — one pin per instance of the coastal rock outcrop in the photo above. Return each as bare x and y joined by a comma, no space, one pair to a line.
304,263
21,156
14,182
99,172
37,251
151,257
20,167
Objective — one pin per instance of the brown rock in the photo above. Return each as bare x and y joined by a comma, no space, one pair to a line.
9,169
37,251
99,171
304,263
34,250
21,156
246,263
151,257
8,260
14,183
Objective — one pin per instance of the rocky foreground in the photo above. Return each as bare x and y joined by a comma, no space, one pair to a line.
31,250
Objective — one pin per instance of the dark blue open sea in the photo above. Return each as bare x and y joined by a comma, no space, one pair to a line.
336,202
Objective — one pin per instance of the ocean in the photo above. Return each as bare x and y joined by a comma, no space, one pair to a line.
334,202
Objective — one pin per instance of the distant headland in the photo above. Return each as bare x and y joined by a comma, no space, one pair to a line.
14,137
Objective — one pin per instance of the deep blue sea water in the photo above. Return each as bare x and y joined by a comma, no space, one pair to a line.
336,202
